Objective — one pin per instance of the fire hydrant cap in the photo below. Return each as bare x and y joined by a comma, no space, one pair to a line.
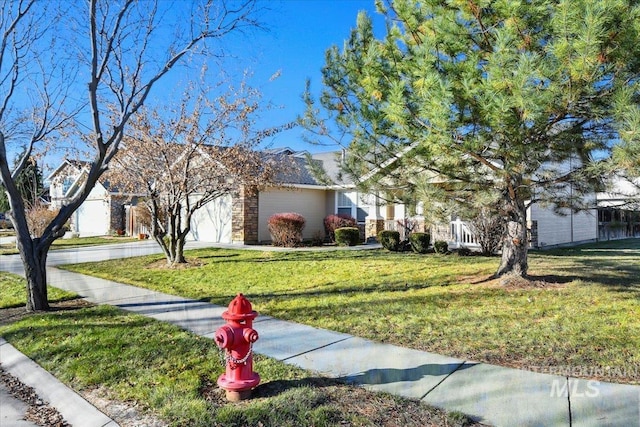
239,309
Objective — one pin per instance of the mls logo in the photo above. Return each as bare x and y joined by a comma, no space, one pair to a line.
560,388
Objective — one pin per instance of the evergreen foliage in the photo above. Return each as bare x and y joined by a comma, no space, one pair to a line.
389,239
513,100
28,182
347,236
420,242
441,247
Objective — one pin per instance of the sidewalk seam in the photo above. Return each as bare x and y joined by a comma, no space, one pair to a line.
317,348
569,401
443,380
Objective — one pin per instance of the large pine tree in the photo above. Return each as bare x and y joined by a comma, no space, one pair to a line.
511,98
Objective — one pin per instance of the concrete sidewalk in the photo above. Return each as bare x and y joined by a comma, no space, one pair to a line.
491,394
73,408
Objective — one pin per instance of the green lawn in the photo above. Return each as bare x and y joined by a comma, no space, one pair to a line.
10,249
173,373
581,311
13,292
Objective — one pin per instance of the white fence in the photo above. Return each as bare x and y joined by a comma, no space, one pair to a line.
461,235
457,235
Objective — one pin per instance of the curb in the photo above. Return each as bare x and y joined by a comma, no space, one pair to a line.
73,407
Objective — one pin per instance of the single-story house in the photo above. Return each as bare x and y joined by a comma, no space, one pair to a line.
303,193
238,218
243,217
102,213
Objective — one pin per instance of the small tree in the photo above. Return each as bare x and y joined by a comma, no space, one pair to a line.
513,98
109,54
28,183
191,156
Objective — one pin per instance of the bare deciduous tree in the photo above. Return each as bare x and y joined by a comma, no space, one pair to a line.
119,50
188,157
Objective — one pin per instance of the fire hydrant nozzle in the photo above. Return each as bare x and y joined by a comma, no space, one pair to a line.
237,338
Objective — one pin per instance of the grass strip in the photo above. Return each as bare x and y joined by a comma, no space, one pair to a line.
172,373
580,311
13,292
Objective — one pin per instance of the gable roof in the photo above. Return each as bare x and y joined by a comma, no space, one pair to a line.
317,169
78,165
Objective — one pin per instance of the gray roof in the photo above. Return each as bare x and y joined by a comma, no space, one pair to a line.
307,167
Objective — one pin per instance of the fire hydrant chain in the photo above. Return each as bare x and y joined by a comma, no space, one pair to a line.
242,361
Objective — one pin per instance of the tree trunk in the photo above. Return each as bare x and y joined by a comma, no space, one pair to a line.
515,244
35,268
179,254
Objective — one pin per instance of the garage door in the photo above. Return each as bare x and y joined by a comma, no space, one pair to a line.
212,222
92,218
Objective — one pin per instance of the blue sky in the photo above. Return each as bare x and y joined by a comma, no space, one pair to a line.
297,34
300,31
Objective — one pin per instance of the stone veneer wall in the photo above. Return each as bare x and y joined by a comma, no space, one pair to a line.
244,217
373,227
117,214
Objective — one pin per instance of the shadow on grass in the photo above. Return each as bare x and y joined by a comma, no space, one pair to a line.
291,294
217,256
277,387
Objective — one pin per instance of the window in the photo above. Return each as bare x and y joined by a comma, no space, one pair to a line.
362,214
66,184
346,205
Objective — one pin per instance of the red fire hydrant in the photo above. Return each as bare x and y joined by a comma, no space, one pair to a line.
237,338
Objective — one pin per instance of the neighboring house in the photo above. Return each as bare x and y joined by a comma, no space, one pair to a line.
611,216
243,217
102,213
302,193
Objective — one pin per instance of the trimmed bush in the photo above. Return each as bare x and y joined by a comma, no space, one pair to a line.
441,247
389,239
347,236
286,229
420,242
332,222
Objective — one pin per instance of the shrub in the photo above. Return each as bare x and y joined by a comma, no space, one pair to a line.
420,242
464,251
286,229
38,218
331,222
488,228
441,246
347,236
389,239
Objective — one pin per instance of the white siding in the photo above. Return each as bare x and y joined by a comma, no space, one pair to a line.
93,216
212,222
311,204
554,229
